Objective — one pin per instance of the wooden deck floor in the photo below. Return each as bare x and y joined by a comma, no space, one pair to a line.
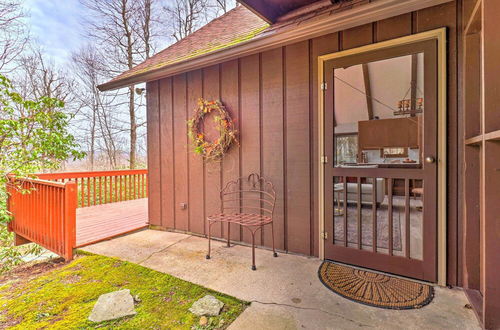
98,223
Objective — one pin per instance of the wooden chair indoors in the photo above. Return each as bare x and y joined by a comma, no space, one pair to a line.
248,202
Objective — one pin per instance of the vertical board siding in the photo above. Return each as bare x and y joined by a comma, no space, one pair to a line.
166,151
250,121
180,151
272,98
272,139
153,130
211,91
297,147
196,203
394,27
357,36
229,76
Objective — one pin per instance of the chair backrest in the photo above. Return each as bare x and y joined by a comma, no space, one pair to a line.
252,194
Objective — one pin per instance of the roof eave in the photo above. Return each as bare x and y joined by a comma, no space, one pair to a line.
259,12
374,11
162,72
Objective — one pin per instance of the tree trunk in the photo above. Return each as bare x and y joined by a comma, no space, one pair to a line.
92,138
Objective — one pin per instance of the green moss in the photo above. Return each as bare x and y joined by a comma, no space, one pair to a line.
65,297
208,49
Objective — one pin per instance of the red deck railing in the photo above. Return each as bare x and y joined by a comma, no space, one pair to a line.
46,214
96,188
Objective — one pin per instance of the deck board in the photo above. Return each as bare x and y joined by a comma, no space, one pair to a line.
101,222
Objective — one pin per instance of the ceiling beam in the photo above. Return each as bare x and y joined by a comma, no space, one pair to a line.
368,91
413,83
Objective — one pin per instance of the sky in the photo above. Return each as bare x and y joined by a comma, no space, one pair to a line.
57,26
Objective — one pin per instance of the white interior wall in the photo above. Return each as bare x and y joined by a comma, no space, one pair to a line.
390,81
350,103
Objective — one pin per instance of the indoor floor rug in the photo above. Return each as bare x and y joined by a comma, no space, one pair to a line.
374,289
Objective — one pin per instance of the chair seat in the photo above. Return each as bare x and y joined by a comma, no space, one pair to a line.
244,219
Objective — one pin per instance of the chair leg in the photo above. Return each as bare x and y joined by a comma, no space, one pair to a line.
272,234
253,251
228,234
209,226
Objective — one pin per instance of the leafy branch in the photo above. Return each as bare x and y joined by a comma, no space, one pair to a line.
33,137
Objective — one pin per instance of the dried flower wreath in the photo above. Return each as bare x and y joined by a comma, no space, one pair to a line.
216,149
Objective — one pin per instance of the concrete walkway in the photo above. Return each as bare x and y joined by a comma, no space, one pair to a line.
285,292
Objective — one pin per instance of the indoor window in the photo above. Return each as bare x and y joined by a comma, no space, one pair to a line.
346,148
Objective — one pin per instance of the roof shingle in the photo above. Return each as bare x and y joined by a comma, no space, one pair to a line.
236,26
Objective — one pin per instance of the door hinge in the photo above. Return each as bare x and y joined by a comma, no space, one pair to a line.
324,86
324,235
324,159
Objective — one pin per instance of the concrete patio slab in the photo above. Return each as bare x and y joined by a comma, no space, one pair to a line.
285,292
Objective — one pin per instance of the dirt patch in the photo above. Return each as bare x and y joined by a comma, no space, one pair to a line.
7,322
26,272
72,279
168,297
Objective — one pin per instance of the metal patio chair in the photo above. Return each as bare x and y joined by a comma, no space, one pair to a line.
248,202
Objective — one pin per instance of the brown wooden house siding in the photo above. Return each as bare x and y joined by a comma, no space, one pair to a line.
273,99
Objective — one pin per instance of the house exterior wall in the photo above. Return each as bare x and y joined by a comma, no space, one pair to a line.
272,96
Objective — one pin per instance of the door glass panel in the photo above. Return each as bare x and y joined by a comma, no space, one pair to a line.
339,208
378,112
378,124
416,220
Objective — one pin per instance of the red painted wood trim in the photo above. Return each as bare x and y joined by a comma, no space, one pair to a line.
72,175
70,204
46,215
122,184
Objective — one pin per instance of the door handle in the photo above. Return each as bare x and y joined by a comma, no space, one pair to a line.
430,159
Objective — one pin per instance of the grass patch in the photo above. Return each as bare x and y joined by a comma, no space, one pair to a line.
64,298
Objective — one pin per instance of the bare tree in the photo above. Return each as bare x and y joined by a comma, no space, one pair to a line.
222,6
186,16
86,69
123,29
97,119
148,26
13,33
37,77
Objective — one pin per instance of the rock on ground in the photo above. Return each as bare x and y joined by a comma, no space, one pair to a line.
208,305
203,321
113,305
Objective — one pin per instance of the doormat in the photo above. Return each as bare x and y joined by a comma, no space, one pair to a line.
374,289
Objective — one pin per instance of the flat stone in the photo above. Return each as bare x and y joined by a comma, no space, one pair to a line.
208,305
112,306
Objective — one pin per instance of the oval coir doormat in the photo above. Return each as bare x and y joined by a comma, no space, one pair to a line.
374,289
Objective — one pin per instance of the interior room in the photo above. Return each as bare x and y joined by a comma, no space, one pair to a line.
378,123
